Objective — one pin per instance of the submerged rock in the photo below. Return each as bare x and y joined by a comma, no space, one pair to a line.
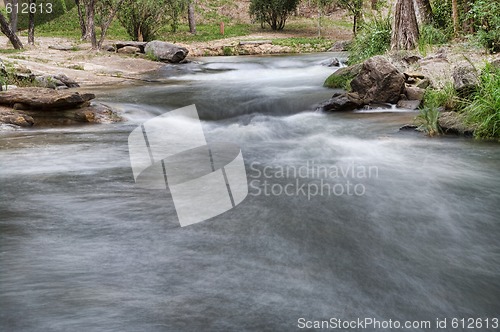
341,102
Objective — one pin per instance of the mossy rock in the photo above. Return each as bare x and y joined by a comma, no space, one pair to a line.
342,78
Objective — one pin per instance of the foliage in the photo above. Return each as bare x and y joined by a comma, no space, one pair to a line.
427,121
355,8
273,12
339,82
486,15
374,38
430,35
441,12
59,8
445,97
483,111
143,19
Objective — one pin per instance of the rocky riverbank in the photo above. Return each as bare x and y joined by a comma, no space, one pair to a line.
402,79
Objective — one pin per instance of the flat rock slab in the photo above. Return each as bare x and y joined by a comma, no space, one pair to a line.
255,42
139,45
43,99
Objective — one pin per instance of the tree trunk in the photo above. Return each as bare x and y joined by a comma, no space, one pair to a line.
107,23
90,13
405,30
31,24
424,11
192,22
13,15
81,19
456,23
4,26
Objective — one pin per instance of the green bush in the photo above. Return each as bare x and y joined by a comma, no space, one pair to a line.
373,38
273,12
427,121
483,111
486,15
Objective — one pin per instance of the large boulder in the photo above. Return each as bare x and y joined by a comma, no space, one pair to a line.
342,76
43,99
166,51
379,81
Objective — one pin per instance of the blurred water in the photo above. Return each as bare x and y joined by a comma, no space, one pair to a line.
82,249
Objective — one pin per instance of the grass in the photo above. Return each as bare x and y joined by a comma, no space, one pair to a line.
427,121
446,98
483,111
9,51
339,82
430,35
374,38
206,32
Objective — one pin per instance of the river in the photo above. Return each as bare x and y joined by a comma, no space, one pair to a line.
410,230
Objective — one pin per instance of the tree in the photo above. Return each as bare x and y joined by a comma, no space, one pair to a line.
355,8
31,23
424,11
13,15
273,12
456,23
106,11
6,30
191,19
143,19
405,30
81,19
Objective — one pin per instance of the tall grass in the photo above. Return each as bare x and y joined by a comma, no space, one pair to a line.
430,35
374,38
483,111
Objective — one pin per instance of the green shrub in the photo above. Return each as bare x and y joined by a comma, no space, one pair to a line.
373,38
486,15
483,111
273,12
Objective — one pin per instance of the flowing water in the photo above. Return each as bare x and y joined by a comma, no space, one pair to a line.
409,232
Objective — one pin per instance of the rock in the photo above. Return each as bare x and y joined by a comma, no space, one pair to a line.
379,81
62,47
341,102
340,46
165,51
15,118
414,93
408,127
412,74
254,42
44,99
465,80
70,83
48,81
423,84
452,123
140,45
411,59
129,50
409,104
97,113
495,63
334,62
108,48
